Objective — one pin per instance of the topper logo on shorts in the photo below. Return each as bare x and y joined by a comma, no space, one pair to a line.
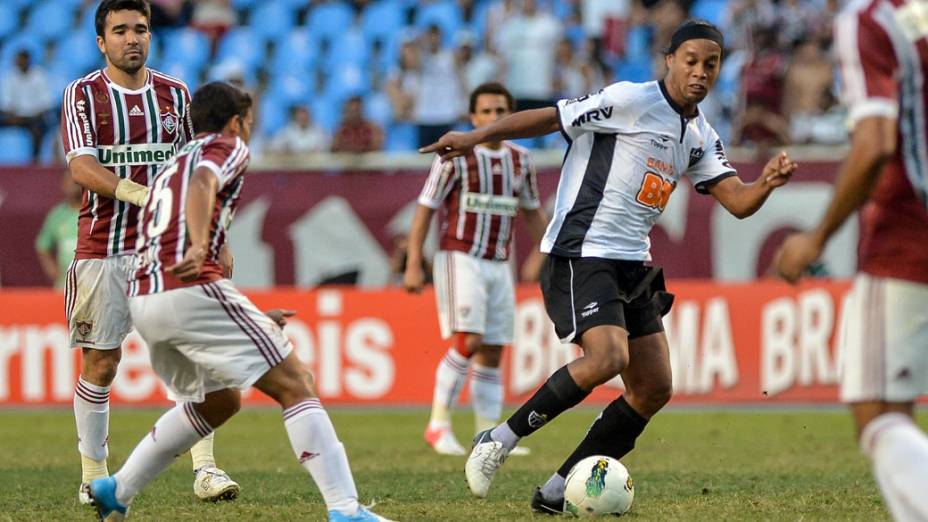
590,309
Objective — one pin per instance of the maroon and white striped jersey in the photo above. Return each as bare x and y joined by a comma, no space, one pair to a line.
131,133
162,238
882,47
480,194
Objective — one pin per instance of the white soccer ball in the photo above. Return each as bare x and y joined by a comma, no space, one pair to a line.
598,486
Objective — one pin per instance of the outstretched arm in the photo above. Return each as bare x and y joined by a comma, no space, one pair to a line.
522,124
744,199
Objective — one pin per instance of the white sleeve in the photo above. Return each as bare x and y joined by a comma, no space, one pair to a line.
710,166
438,185
528,196
596,112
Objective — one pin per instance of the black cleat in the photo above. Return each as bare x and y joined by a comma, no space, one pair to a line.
544,506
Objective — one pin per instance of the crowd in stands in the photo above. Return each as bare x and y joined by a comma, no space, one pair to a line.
368,75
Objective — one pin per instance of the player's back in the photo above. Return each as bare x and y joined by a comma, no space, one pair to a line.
883,50
131,133
162,238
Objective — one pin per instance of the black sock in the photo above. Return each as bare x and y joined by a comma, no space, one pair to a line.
559,393
612,434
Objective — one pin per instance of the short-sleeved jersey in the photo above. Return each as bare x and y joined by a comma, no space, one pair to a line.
162,238
480,194
629,146
882,47
131,133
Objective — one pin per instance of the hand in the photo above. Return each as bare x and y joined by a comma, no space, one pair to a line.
226,261
452,145
280,315
779,170
191,265
413,278
797,253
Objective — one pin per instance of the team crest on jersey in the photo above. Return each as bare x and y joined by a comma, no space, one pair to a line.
169,122
696,154
83,329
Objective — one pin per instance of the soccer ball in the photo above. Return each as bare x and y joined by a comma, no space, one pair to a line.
597,486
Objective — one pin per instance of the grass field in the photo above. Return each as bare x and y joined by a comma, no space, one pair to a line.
689,465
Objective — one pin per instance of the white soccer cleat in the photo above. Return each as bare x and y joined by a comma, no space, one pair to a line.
443,441
483,463
520,451
83,497
212,485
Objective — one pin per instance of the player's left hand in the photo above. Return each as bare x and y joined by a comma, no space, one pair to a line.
778,170
226,261
191,265
797,253
451,145
280,315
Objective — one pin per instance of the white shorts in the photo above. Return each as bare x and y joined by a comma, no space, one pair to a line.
206,338
96,302
884,348
474,295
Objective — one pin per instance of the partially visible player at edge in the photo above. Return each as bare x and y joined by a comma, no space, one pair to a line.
629,146
881,50
480,194
206,340
118,125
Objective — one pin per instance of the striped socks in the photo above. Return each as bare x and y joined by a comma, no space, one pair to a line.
318,449
486,393
92,414
173,434
449,379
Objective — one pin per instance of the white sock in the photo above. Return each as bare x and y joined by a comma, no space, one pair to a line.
553,488
201,453
899,453
173,434
449,379
92,413
503,433
318,449
486,393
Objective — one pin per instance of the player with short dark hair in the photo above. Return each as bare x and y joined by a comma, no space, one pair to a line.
118,125
881,50
630,144
206,340
479,196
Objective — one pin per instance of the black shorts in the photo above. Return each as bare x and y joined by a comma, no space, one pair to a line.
584,292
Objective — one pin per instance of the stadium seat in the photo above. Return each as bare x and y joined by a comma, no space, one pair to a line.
633,70
15,146
47,154
9,19
346,80
297,49
382,19
377,108
272,116
241,44
244,5
49,19
21,40
712,11
187,46
232,68
290,88
328,20
349,48
186,72
401,137
445,14
272,20
327,113
77,52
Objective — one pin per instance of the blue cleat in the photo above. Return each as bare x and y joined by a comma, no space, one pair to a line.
102,493
363,515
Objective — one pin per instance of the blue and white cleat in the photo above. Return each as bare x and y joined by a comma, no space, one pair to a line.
102,493
363,515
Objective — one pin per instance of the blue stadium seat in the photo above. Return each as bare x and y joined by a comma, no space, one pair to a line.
381,19
184,71
77,51
273,115
327,113
377,108
346,80
633,70
15,146
240,43
445,14
185,45
244,5
48,152
349,48
9,19
291,87
21,40
401,137
232,68
87,21
49,19
272,20
298,49
712,11
328,20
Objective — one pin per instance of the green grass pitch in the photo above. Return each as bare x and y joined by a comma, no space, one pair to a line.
688,465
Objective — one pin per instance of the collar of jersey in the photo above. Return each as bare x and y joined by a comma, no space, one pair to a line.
673,104
122,89
487,150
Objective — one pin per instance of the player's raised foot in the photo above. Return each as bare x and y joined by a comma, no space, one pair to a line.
520,451
443,441
544,506
363,515
484,461
102,494
213,485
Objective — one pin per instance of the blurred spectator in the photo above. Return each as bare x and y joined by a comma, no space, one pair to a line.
761,120
476,68
742,17
664,17
57,239
437,104
25,100
499,14
355,134
300,135
170,13
403,82
576,74
806,90
214,17
528,46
